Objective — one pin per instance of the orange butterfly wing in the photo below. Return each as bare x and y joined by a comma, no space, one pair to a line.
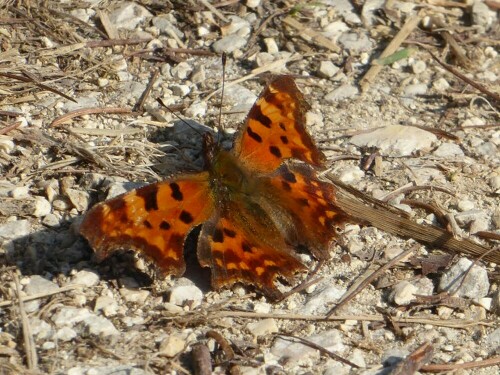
275,129
153,220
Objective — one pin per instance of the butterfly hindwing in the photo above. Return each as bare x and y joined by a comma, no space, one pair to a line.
153,220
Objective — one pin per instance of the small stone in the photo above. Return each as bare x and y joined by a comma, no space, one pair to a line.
229,44
180,90
65,334
86,278
128,15
40,328
134,295
448,150
403,293
61,203
79,199
465,205
475,285
357,357
172,345
271,46
107,305
48,345
485,302
418,67
181,71
252,3
327,69
294,352
483,16
99,326
12,230
493,341
487,149
415,90
102,82
69,316
322,298
351,175
341,93
356,42
441,84
481,224
262,327
20,192
51,220
196,109
42,207
186,294
396,140
466,217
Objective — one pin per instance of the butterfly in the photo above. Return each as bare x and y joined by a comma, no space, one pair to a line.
259,204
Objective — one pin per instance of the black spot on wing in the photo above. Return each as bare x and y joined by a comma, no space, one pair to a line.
282,126
229,232
147,224
218,236
289,176
254,135
247,248
149,195
164,225
260,117
186,217
284,139
303,202
176,191
286,186
275,151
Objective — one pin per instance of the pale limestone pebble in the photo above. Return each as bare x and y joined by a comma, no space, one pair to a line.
264,58
403,293
335,368
294,352
473,121
481,224
466,217
483,16
327,69
357,357
65,334
102,82
107,370
166,25
396,140
134,295
475,285
241,97
172,345
87,278
20,192
262,308
83,14
135,320
495,218
61,203
237,25
343,92
314,119
370,11
262,327
40,329
485,302
334,30
51,220
99,326
252,3
107,305
229,44
180,90
448,150
465,205
345,10
69,316
7,145
181,71
199,75
48,345
42,207
322,298
351,175
79,199
271,46
487,149
14,229
441,84
197,109
418,66
186,294
128,15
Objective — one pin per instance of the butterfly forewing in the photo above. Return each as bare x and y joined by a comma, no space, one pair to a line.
153,220
275,129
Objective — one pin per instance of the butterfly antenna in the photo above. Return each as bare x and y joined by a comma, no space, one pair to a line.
221,96
178,117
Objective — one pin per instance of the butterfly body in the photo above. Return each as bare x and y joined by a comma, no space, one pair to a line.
257,203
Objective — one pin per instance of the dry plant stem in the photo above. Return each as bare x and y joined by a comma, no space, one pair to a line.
214,10
320,349
89,111
311,35
372,212
108,26
467,80
42,295
29,342
40,85
407,189
10,113
116,42
429,207
488,235
253,39
371,278
225,346
140,104
10,127
406,30
306,283
415,360
495,361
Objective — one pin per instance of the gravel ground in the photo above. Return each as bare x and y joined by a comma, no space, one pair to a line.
420,123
